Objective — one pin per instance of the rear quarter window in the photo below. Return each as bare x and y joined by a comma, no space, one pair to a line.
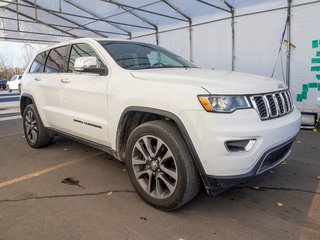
37,65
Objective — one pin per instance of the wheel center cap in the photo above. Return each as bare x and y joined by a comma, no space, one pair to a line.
154,165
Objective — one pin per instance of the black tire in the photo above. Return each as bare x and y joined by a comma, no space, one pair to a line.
9,90
35,133
187,181
19,88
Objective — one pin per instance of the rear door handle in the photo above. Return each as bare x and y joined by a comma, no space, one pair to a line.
37,79
65,80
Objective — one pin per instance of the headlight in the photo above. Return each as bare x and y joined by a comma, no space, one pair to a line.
224,104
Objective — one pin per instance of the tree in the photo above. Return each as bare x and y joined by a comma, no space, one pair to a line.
3,68
6,72
28,52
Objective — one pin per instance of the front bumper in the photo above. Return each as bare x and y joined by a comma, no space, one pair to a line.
210,131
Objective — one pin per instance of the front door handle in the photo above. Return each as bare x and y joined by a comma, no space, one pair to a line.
65,80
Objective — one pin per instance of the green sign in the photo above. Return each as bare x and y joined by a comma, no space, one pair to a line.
305,87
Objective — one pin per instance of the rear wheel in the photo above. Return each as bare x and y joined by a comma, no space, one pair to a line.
34,130
160,166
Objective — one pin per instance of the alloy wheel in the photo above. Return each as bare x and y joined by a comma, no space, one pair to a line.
154,167
31,127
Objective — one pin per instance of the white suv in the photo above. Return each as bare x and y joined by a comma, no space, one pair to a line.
14,83
174,125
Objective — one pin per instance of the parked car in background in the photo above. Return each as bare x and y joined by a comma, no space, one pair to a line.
14,83
3,84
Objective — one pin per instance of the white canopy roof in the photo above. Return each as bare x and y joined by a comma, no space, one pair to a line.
58,20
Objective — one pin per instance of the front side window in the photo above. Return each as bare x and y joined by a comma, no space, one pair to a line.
81,50
135,56
57,60
38,63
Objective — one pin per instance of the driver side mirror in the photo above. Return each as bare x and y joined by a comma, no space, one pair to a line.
89,65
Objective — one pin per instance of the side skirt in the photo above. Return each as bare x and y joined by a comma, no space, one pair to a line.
101,147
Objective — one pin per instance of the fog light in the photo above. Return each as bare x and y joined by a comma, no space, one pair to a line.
240,145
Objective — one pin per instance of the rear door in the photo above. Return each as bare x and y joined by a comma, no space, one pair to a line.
55,67
82,99
37,85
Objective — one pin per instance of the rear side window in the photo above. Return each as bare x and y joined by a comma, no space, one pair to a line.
81,50
38,63
57,60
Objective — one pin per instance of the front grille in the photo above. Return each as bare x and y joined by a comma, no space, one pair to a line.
272,105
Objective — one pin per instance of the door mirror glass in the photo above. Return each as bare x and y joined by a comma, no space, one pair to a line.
88,64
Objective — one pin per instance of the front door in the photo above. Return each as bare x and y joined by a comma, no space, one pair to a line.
83,99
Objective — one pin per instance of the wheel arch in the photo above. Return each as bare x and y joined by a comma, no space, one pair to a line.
124,129
25,100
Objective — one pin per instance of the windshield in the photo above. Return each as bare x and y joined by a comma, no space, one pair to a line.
13,78
136,56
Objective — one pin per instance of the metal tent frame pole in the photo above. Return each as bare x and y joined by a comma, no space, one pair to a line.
65,19
66,28
63,14
125,11
288,45
98,18
189,27
144,10
144,20
28,39
232,35
41,22
35,33
214,6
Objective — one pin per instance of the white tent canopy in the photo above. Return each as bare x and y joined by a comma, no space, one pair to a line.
105,18
243,35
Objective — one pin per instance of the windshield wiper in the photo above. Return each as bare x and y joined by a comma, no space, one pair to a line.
168,66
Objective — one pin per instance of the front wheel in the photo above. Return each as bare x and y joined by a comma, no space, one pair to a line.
34,130
160,166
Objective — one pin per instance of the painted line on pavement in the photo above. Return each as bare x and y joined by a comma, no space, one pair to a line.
9,118
46,170
10,134
314,216
36,174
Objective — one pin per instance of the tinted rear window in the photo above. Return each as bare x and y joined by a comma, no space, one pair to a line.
38,63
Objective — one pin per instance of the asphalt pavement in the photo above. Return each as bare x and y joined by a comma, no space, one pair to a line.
9,105
71,191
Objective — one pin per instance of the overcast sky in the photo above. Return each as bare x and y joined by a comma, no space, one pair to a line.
17,54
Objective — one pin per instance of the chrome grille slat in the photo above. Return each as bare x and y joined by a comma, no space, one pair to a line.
286,100
272,105
260,104
281,103
276,103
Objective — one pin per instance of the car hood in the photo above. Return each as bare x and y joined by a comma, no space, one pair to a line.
214,81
